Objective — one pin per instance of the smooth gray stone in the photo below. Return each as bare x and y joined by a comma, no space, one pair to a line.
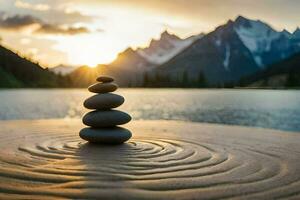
109,118
116,135
103,87
103,101
105,79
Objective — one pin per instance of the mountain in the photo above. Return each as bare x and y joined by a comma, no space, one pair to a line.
128,68
296,36
266,44
285,73
162,50
62,69
234,50
16,71
131,65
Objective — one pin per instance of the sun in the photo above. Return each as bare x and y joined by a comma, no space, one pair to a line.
91,58
87,51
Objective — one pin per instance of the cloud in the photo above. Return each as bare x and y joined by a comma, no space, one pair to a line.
17,22
53,29
52,12
26,5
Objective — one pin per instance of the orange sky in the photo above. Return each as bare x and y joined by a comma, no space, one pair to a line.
90,32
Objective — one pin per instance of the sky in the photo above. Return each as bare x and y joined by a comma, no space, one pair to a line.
91,32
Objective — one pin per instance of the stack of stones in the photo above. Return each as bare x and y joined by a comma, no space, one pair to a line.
104,121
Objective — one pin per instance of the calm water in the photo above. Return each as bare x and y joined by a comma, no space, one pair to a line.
261,108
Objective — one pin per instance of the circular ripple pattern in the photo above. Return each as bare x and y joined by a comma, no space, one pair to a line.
51,165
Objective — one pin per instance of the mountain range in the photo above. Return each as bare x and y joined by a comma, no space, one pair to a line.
234,54
232,51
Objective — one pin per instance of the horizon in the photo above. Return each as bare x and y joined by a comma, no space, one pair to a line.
25,26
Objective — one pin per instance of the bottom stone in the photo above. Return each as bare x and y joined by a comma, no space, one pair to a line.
116,135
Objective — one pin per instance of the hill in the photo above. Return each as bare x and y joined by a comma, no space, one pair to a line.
285,73
16,71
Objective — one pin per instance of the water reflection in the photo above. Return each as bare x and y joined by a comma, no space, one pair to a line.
263,108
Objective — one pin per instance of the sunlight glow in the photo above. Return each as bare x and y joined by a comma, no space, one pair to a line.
118,31
88,50
112,30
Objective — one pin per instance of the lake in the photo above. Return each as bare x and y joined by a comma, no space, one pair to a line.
276,109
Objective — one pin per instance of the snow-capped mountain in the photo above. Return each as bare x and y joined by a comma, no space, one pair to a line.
232,51
266,44
63,70
168,46
256,36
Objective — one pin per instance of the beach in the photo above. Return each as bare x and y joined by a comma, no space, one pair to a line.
46,159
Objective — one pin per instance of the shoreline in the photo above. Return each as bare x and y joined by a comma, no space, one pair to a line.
79,120
164,159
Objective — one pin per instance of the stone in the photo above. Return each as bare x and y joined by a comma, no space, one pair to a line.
103,87
109,118
103,121
103,101
116,135
105,79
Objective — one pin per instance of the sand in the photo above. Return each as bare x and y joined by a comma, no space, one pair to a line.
46,159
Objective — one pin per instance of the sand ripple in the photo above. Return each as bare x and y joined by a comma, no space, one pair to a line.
47,159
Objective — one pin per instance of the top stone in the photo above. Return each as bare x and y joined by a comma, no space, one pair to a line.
105,79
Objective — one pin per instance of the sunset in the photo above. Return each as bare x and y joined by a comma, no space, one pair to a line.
57,32
150,99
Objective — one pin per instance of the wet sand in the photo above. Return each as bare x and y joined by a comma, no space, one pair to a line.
46,159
